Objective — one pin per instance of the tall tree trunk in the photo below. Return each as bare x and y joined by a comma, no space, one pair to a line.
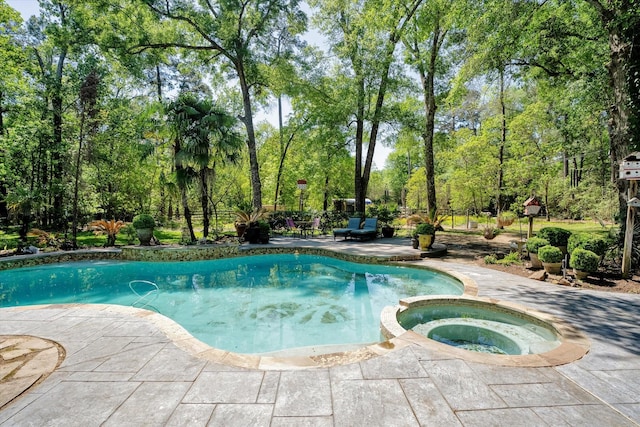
187,212
204,201
57,151
503,142
74,223
427,78
256,185
622,21
4,212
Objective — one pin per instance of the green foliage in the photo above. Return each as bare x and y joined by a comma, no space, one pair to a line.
143,221
383,213
590,242
550,254
535,243
425,228
130,232
555,235
584,260
490,259
510,259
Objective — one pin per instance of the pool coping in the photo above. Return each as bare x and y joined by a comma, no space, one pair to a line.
574,344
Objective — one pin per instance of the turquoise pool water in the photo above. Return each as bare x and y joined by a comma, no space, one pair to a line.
255,304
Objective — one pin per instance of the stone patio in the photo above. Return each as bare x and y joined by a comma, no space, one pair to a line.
122,367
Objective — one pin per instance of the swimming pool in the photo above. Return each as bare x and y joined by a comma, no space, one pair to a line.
256,304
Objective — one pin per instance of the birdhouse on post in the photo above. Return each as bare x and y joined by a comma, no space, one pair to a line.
532,208
630,171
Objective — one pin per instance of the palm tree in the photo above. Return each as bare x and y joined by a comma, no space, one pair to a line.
204,135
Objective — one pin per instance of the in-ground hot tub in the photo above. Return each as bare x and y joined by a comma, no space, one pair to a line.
484,330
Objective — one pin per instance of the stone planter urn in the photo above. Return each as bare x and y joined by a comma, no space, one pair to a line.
535,261
552,267
580,275
145,235
425,241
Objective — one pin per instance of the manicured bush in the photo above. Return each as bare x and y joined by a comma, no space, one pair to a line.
555,235
591,242
550,254
143,221
425,228
584,260
535,243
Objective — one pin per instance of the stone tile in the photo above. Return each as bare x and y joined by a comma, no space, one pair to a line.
461,386
521,417
302,422
16,406
630,410
613,386
128,328
371,403
191,415
423,353
494,374
304,394
582,415
256,415
162,367
269,387
428,405
397,364
630,378
152,403
131,359
225,387
352,371
99,376
543,394
73,404
102,348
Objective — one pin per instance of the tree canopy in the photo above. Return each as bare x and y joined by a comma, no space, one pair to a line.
483,103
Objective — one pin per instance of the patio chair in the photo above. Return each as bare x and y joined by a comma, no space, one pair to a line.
368,231
315,225
353,224
292,227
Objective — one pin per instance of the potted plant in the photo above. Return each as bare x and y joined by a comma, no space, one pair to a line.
265,230
490,233
425,232
583,262
144,225
556,236
385,216
533,244
110,228
591,242
245,218
551,257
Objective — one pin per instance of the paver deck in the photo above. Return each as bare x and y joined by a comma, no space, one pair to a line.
122,369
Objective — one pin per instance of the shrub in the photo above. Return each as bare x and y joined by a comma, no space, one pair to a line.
550,254
584,260
143,221
425,228
555,235
510,259
590,242
264,226
490,259
535,243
